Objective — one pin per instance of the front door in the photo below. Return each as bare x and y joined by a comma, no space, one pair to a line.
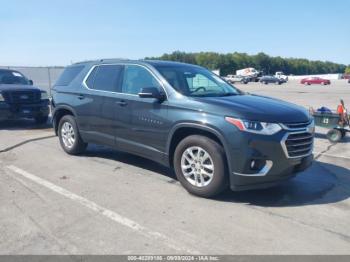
145,130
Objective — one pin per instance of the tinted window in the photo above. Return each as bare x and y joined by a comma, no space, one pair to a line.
137,77
91,78
196,81
105,78
68,75
12,77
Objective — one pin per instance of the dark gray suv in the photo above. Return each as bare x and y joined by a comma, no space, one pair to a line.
185,117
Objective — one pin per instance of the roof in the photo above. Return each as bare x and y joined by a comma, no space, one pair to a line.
118,60
164,63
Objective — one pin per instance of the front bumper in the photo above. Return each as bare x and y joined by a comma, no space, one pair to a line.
18,111
260,161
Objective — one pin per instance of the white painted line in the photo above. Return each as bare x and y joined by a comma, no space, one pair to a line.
325,154
103,211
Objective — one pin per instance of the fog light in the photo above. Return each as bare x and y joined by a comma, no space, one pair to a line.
252,164
257,164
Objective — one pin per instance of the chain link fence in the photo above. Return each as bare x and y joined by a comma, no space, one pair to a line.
43,77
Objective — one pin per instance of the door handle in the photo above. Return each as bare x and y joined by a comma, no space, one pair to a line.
81,97
121,103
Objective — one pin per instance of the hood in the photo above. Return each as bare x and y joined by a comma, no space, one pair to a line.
257,108
18,88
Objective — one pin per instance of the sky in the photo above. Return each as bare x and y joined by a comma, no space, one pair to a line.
60,32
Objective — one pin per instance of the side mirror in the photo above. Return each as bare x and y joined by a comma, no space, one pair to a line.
31,82
152,92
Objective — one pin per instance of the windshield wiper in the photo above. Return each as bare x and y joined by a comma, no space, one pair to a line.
214,95
230,94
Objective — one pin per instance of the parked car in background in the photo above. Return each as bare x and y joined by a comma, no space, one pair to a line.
185,117
281,75
271,80
236,79
20,99
315,81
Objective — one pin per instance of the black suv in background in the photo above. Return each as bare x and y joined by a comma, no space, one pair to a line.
271,80
185,117
20,99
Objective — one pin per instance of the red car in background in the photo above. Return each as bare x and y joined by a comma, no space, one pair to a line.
315,80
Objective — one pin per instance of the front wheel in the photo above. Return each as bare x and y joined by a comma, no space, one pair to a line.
69,136
334,135
200,166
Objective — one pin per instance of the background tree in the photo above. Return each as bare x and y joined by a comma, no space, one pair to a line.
229,63
347,70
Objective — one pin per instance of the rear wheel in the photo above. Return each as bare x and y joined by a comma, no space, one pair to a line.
200,166
334,135
69,136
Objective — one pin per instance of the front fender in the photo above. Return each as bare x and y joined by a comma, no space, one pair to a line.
208,128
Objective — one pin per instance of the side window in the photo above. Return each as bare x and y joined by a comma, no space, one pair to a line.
137,77
91,78
68,75
105,78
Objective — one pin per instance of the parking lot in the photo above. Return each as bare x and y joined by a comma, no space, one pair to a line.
108,202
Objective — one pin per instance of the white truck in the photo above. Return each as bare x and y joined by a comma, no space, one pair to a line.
250,71
281,75
250,74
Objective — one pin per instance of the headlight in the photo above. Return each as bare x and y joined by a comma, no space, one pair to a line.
44,95
311,127
2,99
254,126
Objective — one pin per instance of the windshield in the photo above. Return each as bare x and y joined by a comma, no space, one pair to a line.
195,81
8,77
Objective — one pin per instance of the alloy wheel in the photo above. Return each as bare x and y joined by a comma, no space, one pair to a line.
68,135
197,166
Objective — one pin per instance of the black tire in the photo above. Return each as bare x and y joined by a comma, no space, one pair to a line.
219,180
79,145
334,135
40,120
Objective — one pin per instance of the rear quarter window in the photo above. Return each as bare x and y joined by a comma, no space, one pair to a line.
68,75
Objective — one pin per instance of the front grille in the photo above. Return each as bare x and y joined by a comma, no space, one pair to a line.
22,97
299,144
297,125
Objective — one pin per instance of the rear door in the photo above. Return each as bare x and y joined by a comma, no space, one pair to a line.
102,84
143,121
